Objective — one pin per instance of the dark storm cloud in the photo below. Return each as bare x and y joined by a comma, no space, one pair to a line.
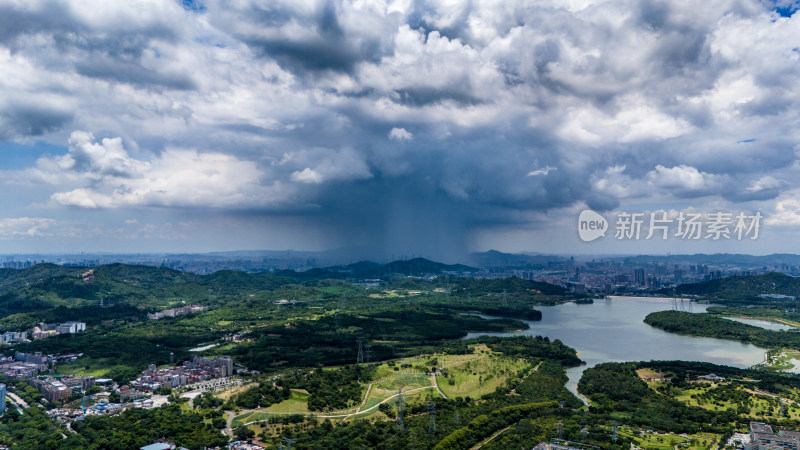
405,126
31,120
131,72
326,45
110,51
15,22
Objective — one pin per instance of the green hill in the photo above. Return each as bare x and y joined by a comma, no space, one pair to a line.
744,289
411,267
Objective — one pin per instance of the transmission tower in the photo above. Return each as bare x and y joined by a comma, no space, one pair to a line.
400,425
367,352
457,420
337,317
266,420
431,418
360,343
614,431
289,443
505,301
560,431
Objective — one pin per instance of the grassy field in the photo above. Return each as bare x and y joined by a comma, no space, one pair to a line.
228,393
650,374
473,374
87,365
474,378
413,384
699,441
296,403
247,418
754,405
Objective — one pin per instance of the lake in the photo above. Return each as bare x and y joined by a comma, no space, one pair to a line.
612,329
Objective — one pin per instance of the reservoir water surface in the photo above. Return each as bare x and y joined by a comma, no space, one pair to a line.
613,329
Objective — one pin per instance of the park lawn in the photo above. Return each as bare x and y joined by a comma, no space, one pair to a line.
423,395
762,407
252,416
296,403
97,367
649,374
228,393
700,441
480,376
424,363
409,382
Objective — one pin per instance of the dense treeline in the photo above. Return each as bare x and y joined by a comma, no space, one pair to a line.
531,347
708,325
774,382
28,393
307,343
31,430
547,383
485,425
516,311
331,389
261,396
744,289
130,429
615,388
138,427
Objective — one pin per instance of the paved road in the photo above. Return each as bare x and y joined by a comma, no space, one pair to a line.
17,400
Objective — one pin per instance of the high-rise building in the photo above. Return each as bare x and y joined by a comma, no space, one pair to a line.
2,398
639,277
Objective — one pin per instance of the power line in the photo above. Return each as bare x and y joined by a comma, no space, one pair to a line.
431,418
400,424
338,316
368,352
360,344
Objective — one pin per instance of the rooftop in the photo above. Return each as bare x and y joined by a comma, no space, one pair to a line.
157,446
760,427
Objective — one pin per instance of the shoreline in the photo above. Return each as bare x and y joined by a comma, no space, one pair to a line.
634,297
766,319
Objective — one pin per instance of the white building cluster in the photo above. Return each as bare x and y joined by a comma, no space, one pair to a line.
195,370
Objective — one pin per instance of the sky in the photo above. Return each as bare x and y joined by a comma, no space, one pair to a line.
431,128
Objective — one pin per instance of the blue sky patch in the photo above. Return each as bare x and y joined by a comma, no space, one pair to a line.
14,156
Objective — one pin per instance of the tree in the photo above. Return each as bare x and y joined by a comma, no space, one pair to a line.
243,433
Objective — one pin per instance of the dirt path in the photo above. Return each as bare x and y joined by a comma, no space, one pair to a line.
436,385
490,438
366,397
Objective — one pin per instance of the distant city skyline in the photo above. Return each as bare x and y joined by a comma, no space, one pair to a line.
397,127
